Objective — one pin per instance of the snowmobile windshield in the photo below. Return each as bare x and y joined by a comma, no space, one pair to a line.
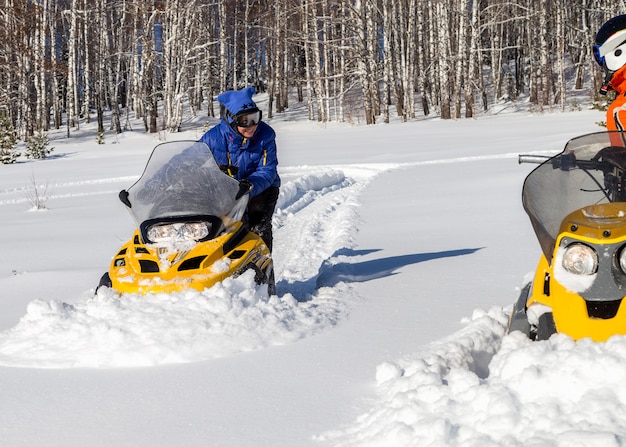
182,179
589,171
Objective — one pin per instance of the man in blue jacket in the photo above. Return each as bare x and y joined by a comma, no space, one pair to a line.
245,148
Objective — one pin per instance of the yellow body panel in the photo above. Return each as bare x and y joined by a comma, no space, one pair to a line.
598,225
592,222
570,310
138,268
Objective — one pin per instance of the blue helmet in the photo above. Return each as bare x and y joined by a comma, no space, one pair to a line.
235,104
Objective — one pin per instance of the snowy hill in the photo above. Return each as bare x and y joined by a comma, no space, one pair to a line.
398,249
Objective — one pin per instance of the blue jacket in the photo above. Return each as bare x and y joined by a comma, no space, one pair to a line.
255,158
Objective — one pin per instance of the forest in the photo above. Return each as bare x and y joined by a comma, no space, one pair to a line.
67,62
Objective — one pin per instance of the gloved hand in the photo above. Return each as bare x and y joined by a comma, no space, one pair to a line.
245,186
230,170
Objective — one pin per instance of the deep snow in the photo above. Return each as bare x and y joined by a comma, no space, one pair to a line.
399,249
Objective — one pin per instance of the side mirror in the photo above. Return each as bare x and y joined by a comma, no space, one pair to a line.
123,195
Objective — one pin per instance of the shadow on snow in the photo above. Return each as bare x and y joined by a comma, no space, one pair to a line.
330,274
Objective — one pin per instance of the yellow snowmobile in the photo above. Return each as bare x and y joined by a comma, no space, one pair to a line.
576,202
190,227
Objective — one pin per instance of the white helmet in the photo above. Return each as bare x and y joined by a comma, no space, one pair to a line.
610,48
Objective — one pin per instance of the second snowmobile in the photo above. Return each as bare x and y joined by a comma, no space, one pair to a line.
576,202
190,227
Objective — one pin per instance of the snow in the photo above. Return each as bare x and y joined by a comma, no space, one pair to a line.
399,250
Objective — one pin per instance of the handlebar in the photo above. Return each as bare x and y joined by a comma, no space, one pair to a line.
564,162
530,158
609,164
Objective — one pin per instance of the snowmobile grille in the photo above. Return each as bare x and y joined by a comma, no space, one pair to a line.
191,264
603,310
143,250
237,254
235,239
148,266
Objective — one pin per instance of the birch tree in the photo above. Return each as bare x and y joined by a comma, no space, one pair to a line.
73,100
354,59
443,50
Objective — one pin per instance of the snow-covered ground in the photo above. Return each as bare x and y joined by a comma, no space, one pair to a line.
399,250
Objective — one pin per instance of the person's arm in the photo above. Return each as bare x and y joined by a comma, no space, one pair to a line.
616,114
266,169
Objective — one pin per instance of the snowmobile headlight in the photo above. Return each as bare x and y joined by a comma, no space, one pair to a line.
580,259
179,231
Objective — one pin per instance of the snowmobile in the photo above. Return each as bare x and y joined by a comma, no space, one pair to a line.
191,231
576,202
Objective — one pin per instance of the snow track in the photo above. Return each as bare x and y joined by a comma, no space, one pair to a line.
56,190
315,217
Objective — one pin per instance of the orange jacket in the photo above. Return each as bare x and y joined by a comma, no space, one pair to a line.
616,113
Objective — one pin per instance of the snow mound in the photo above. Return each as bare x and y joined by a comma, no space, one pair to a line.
481,388
109,331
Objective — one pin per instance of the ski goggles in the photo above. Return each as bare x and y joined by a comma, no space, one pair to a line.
596,55
600,51
248,119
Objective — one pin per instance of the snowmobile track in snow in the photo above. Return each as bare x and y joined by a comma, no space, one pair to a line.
315,217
